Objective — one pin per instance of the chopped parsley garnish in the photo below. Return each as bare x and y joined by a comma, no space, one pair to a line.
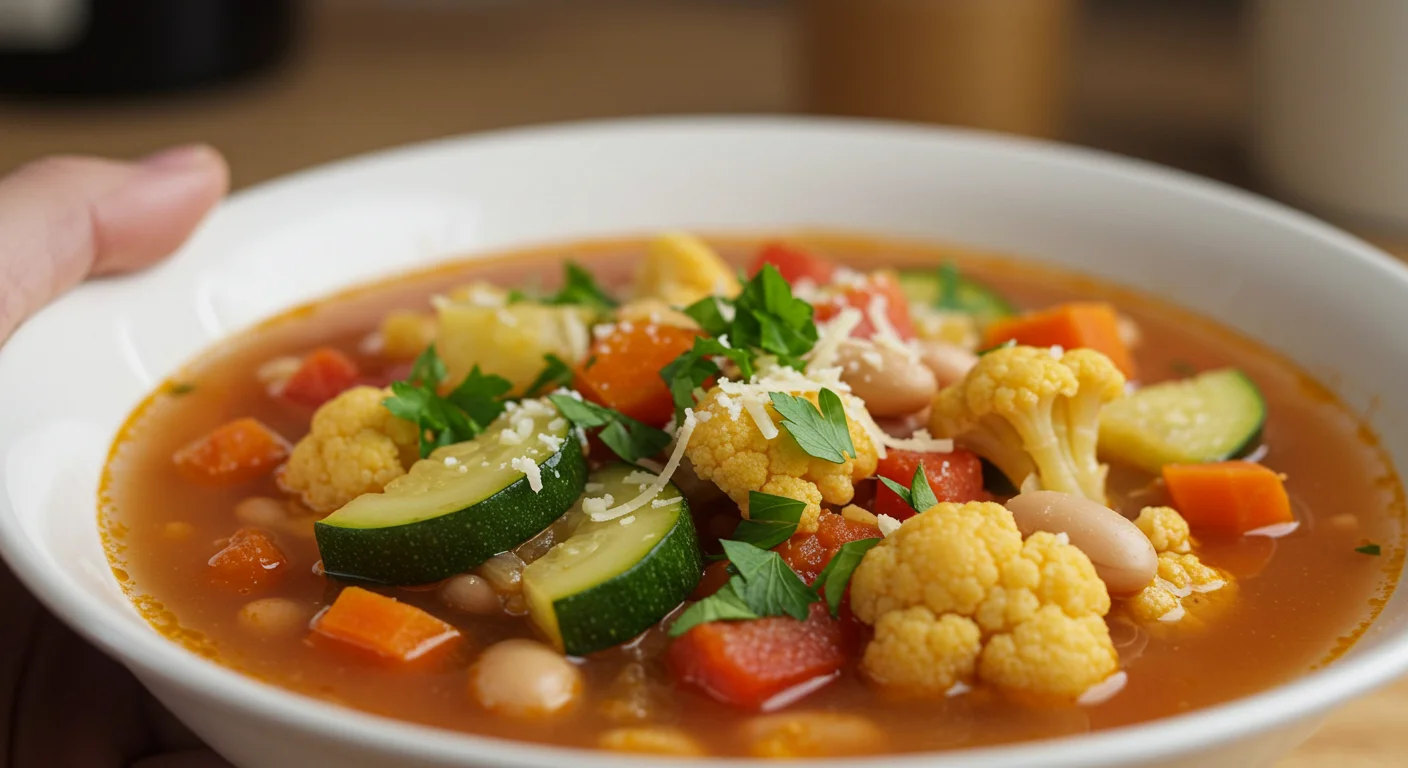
1369,549
832,581
821,432
771,520
556,373
725,605
919,495
580,287
626,437
454,418
770,586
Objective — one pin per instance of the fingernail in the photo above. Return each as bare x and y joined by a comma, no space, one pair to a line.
178,158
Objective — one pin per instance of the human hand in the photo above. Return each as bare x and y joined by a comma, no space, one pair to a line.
63,219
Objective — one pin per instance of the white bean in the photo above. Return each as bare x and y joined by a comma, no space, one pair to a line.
948,362
273,616
1120,552
471,594
524,678
261,511
891,382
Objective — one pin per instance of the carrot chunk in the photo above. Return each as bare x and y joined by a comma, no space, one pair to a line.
1230,497
236,452
324,374
251,560
955,476
747,663
805,553
880,291
794,264
622,371
383,628
1082,324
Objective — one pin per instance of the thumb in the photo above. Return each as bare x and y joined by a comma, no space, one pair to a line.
65,218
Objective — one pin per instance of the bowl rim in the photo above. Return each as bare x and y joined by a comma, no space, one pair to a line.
1294,701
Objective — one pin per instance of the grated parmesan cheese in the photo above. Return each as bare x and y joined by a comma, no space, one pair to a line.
594,488
596,505
530,469
733,407
557,424
509,437
553,442
662,503
830,336
754,405
888,525
653,490
628,519
506,317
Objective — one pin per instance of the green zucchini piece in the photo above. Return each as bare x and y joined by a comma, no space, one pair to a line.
946,289
461,505
612,580
1213,416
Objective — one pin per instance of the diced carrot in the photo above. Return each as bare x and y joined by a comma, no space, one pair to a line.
1082,324
747,663
251,560
622,370
324,374
383,628
236,452
1229,497
794,264
881,286
955,476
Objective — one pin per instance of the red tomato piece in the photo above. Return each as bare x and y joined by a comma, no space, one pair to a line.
236,452
622,371
793,264
878,285
747,663
324,374
956,476
834,531
249,561
805,554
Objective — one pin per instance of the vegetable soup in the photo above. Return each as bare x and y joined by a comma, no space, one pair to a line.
802,496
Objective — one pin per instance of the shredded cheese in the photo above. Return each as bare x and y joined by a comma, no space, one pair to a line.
596,505
553,442
510,437
830,336
530,469
682,437
753,403
888,525
578,337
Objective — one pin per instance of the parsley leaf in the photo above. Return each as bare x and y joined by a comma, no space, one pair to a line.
443,421
770,587
556,373
628,438
581,288
690,370
428,370
478,396
771,520
724,605
1369,549
823,432
922,495
709,313
831,583
899,490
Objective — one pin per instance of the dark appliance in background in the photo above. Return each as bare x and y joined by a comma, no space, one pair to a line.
110,48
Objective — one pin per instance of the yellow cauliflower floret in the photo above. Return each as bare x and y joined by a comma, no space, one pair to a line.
729,450
681,269
1035,607
1166,529
1034,411
355,446
404,335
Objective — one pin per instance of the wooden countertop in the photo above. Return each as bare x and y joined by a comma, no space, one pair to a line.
1167,88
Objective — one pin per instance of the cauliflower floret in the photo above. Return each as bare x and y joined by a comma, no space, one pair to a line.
355,446
681,269
1033,410
1035,608
1185,591
729,449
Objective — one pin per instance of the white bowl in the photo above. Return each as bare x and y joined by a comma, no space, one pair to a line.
69,376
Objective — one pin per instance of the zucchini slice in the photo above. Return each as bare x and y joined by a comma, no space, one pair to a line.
1213,416
461,505
946,289
609,581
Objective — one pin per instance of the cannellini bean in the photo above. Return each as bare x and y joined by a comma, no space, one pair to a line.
651,740
273,616
1128,330
891,382
471,594
524,678
948,362
261,511
1121,553
813,734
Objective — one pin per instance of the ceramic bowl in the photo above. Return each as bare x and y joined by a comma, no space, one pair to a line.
1327,300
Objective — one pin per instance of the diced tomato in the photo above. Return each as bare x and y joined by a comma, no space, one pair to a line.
715,576
251,560
747,663
383,629
834,530
956,476
881,285
808,553
793,264
236,452
622,370
324,374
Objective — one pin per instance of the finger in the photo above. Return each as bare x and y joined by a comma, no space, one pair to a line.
64,218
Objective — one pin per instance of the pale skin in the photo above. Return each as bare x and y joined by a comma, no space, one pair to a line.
64,220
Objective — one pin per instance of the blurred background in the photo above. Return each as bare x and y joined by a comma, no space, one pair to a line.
1304,100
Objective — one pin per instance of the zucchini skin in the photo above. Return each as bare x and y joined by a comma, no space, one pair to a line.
441,547
670,572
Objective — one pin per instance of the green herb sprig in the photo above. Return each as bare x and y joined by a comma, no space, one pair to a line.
459,416
626,437
820,430
919,495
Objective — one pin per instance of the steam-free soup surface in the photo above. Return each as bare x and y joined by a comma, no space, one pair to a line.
1301,598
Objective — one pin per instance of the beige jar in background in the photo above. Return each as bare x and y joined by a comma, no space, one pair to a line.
994,64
